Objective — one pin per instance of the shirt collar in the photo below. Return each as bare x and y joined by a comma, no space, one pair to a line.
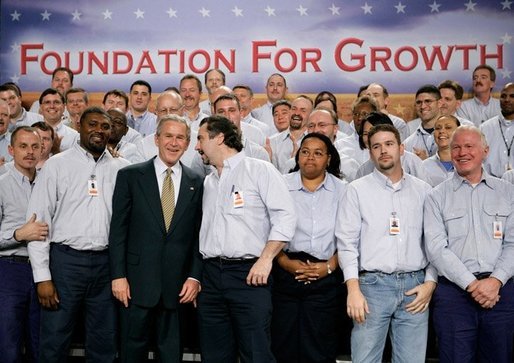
234,160
458,180
385,181
296,182
18,176
160,167
105,155
479,103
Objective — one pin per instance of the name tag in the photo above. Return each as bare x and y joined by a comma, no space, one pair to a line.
497,230
237,200
92,187
394,225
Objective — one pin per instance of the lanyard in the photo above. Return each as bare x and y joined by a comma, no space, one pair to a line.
509,147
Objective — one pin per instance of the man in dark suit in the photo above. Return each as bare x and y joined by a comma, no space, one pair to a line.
153,244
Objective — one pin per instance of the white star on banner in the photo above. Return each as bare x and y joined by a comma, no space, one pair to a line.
107,14
506,38
76,15
302,10
470,6
15,16
506,73
172,13
205,12
46,15
400,8
15,47
506,4
139,14
15,78
434,7
237,12
334,9
270,11
366,8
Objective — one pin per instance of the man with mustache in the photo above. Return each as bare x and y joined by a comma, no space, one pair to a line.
190,90
71,266
285,144
483,105
19,315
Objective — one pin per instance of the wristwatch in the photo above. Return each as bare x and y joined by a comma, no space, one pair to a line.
329,270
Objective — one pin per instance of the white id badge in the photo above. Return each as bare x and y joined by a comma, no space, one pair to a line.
237,200
394,225
497,230
92,187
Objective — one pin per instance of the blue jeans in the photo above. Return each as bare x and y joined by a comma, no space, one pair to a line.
385,294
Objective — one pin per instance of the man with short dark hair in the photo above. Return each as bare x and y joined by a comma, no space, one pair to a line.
469,239
281,111
138,116
421,142
5,135
19,312
47,135
248,216
71,266
379,241
11,94
483,105
52,108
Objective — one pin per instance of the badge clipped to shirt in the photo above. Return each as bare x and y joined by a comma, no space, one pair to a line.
497,229
237,200
92,186
394,224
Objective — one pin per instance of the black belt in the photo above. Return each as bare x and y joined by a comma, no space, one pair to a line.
19,259
230,261
482,275
67,248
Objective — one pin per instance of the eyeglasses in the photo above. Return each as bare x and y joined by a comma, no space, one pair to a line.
419,103
316,154
362,114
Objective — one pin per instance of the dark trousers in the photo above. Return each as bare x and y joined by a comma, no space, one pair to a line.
306,316
83,284
137,325
19,312
468,333
234,318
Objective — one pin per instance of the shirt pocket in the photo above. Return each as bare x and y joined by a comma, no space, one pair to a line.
496,212
456,223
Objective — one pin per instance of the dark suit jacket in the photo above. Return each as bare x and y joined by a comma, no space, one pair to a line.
155,262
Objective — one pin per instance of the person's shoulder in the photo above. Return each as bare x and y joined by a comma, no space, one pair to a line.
192,174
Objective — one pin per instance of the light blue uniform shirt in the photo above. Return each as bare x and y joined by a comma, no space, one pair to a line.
282,147
435,170
242,231
15,190
421,140
459,229
316,215
145,124
364,241
61,199
476,112
498,160
5,141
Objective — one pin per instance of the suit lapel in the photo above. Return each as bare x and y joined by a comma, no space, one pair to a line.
150,189
186,192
